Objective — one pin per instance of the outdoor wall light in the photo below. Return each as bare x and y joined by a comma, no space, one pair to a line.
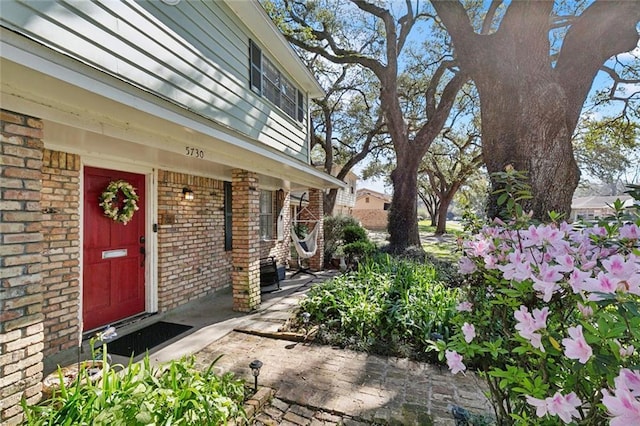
255,367
187,193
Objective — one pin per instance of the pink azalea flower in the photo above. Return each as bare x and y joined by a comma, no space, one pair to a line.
564,407
550,273
528,324
626,351
532,237
464,307
620,268
546,288
599,231
603,283
622,406
466,266
576,347
490,262
540,404
565,263
469,332
630,231
586,311
479,248
577,279
517,267
632,285
454,361
629,379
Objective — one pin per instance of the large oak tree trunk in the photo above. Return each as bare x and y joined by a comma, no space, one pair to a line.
441,227
330,201
445,202
403,216
525,126
531,101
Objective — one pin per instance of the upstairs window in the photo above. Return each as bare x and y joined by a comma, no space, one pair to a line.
268,81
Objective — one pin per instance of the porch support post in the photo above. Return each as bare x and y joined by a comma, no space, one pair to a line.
315,206
21,287
245,274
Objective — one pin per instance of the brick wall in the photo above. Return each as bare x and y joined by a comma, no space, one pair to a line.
192,261
61,250
21,319
372,219
246,241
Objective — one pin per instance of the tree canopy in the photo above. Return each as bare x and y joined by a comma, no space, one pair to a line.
532,62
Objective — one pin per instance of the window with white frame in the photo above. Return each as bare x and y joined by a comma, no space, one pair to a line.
266,215
268,81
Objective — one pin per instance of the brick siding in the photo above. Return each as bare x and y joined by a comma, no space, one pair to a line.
61,250
192,261
246,240
372,219
21,319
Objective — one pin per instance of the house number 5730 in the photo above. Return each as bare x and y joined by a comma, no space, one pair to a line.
193,152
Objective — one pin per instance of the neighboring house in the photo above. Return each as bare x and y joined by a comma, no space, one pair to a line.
595,207
372,208
346,197
202,107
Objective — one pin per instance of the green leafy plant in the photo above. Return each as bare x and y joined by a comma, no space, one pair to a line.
357,246
334,234
354,233
176,393
359,249
386,306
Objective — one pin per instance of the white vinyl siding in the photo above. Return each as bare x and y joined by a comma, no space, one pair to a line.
194,54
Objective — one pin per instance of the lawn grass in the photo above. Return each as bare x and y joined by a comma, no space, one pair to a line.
453,227
442,247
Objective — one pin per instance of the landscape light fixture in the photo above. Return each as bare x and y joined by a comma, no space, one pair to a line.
255,367
187,193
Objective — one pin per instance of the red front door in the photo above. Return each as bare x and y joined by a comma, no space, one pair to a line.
113,256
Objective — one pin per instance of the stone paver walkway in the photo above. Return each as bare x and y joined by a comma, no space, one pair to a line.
321,385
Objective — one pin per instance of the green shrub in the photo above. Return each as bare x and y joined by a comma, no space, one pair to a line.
334,233
359,249
354,233
174,394
387,306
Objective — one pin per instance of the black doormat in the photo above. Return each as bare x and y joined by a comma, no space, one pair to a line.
137,342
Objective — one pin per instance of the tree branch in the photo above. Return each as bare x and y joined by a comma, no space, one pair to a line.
455,19
491,13
436,122
604,29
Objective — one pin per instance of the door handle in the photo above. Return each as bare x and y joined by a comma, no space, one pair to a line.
143,252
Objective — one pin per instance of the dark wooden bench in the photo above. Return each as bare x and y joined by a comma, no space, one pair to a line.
269,272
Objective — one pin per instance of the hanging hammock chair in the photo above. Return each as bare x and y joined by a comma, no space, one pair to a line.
306,248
